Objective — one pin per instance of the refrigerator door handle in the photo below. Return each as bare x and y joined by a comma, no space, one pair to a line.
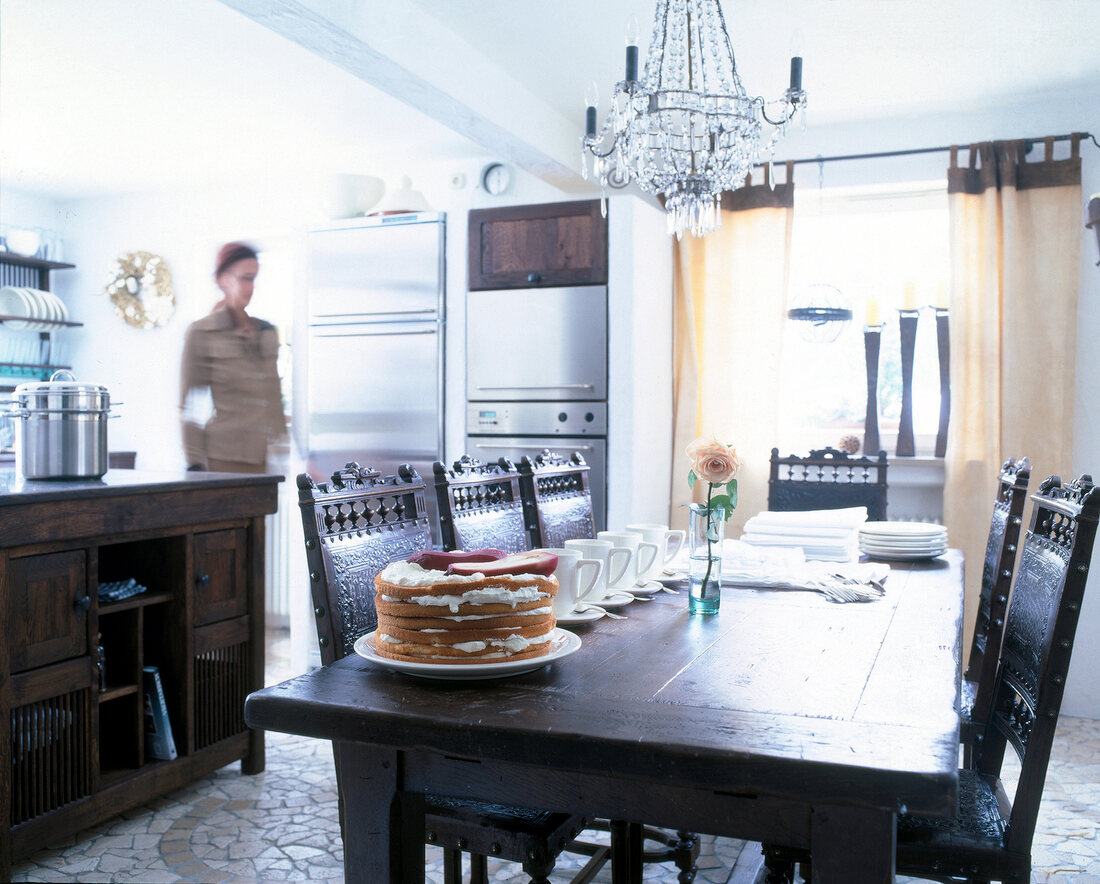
537,387
375,313
377,334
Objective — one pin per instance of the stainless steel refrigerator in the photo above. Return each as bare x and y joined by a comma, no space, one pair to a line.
375,362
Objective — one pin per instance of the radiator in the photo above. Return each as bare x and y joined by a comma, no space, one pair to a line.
284,556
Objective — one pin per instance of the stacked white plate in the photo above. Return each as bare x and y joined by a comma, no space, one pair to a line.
30,307
902,541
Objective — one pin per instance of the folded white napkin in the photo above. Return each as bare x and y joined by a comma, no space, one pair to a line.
787,568
848,517
825,535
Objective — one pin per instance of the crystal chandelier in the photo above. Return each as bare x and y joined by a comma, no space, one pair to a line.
687,130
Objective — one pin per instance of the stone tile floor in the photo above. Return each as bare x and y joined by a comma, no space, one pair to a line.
282,825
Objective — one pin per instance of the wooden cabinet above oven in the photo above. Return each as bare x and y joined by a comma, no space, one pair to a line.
554,244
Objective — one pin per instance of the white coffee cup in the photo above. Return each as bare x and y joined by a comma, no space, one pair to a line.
573,586
668,542
615,562
642,554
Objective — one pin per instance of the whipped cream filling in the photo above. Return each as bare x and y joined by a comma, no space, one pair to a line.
459,618
409,574
511,645
489,595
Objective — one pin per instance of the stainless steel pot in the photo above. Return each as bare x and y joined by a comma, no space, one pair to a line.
61,428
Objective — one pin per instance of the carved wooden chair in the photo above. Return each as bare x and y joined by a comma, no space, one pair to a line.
997,570
828,479
991,835
480,505
354,526
557,502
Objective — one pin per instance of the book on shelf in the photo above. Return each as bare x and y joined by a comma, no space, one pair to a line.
158,729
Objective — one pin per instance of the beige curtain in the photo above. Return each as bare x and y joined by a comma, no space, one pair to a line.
1015,243
730,297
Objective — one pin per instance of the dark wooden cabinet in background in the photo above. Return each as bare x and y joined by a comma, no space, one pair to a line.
71,666
552,244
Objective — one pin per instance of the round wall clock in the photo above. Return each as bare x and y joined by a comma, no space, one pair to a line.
140,287
496,178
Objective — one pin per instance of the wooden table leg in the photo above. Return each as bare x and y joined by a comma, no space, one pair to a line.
383,827
853,845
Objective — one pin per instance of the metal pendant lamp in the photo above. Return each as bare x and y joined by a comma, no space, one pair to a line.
687,130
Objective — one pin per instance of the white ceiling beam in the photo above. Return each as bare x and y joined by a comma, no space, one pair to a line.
408,54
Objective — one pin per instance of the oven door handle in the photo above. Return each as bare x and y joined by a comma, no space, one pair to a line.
536,447
539,387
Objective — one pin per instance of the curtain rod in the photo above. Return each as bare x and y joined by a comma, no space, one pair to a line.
910,151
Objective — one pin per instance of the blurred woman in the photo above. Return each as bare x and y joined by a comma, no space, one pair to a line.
229,358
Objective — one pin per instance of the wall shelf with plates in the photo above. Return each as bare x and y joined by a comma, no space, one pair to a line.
29,348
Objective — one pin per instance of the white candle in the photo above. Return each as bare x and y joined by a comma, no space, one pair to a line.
871,317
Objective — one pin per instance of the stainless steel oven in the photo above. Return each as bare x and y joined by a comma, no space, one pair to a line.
537,344
536,377
514,429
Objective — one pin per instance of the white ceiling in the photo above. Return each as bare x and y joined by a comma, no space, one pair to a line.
126,94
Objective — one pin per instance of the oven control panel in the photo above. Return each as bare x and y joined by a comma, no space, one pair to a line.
536,418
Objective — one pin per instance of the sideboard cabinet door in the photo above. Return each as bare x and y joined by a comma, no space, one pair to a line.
50,603
556,244
221,589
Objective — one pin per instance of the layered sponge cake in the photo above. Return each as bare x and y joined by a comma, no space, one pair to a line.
472,612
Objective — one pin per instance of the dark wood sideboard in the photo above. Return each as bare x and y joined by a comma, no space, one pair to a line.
75,751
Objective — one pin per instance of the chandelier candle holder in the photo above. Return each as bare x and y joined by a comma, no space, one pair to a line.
943,346
907,320
687,130
872,342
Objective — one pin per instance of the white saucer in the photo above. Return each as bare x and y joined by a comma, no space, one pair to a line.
646,587
565,643
585,616
617,598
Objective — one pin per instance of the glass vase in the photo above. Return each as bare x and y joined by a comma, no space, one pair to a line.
705,531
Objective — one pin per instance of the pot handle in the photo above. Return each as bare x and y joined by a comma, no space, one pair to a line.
57,375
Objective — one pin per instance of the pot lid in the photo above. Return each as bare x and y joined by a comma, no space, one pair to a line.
61,381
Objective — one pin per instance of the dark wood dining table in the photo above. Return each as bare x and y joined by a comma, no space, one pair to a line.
784,718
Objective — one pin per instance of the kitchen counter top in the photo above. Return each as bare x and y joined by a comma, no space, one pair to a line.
15,489
47,510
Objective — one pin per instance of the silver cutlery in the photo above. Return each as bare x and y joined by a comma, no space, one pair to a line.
584,606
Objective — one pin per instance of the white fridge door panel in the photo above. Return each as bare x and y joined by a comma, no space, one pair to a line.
375,270
376,389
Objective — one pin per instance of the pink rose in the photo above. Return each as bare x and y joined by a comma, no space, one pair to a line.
712,461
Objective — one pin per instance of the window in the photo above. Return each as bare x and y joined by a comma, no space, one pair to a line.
883,248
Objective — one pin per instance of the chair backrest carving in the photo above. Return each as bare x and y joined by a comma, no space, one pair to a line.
557,500
997,569
354,526
480,505
1038,641
828,479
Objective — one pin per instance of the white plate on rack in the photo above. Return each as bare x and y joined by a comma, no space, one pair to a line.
565,643
39,308
50,303
588,615
14,303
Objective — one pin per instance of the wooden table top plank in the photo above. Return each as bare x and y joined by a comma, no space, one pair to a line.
909,685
